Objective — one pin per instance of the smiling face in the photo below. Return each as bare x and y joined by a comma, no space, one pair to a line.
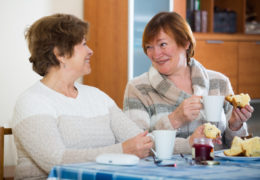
79,62
166,56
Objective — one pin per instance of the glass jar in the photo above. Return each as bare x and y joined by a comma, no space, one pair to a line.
202,150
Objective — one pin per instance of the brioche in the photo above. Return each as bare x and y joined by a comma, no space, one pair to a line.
248,147
211,131
236,147
252,147
240,100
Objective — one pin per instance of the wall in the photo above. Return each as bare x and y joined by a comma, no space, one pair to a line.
16,73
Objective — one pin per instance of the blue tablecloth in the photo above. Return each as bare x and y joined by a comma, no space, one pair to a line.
146,169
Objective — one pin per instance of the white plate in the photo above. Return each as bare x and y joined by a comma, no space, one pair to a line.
235,158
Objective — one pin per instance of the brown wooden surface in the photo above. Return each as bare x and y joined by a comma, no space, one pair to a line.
249,68
4,171
108,39
179,6
219,57
228,37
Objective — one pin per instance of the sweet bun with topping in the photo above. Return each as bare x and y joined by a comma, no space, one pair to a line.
239,100
211,131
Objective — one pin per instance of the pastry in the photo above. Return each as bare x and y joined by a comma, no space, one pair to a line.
211,131
248,147
236,147
240,100
252,147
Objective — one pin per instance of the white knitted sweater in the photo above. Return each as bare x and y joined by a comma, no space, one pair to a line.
52,129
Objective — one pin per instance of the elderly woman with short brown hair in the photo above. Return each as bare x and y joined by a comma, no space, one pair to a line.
168,95
58,120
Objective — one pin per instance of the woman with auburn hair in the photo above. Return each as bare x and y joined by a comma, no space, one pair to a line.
168,96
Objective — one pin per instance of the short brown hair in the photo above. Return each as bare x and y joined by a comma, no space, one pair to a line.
63,31
172,24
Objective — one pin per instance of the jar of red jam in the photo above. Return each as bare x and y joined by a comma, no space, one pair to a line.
202,150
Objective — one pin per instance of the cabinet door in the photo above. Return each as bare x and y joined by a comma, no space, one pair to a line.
249,68
108,39
219,56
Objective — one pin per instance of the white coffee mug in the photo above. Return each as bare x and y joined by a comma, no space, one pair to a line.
164,143
213,106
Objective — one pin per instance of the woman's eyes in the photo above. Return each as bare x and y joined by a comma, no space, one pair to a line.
163,44
148,47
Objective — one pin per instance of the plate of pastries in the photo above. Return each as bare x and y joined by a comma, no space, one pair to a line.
242,148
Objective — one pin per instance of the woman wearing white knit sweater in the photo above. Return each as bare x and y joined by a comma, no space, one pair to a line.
168,95
57,120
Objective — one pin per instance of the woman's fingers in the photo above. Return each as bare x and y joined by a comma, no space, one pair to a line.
139,145
244,114
241,116
218,141
142,134
147,139
148,145
249,108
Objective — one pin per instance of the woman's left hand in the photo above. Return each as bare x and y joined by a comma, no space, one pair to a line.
239,116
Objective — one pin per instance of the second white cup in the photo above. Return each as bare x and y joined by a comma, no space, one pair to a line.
213,106
164,143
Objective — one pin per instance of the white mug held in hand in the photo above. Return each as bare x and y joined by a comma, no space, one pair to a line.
164,143
213,106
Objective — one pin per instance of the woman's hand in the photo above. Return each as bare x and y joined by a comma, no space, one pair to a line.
199,133
187,111
239,116
139,145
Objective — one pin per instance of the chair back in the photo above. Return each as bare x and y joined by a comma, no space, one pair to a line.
3,132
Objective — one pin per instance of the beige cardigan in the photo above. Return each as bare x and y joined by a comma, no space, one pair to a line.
151,97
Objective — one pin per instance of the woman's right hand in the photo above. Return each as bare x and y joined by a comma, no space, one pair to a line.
139,145
199,133
187,111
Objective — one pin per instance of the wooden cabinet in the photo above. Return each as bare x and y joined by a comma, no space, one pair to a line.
108,21
249,68
220,56
237,56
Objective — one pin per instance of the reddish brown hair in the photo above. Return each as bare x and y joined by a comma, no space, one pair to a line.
172,24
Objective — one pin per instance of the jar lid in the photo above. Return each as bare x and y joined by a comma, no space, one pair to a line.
202,141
